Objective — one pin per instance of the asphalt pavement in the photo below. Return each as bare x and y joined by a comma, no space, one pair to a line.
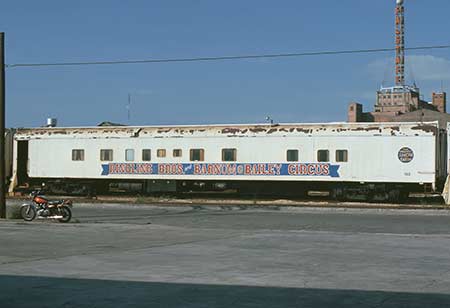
117,255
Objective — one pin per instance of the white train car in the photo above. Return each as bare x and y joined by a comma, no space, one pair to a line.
374,161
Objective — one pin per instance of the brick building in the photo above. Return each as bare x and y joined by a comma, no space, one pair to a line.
398,104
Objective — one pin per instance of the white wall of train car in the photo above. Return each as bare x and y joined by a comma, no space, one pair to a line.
373,150
448,149
446,190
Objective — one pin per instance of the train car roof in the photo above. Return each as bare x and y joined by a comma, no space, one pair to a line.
236,130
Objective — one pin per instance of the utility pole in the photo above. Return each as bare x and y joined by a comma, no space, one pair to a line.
2,127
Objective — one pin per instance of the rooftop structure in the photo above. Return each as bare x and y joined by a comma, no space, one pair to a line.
400,99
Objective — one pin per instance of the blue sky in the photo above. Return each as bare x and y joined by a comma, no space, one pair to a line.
308,89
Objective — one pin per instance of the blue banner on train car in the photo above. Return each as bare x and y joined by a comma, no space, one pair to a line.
224,169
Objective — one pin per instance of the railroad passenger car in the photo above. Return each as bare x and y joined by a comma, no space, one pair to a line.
360,161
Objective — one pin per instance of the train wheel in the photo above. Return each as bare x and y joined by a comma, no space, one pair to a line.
338,194
394,195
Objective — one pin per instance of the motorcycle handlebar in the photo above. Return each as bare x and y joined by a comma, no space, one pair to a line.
36,193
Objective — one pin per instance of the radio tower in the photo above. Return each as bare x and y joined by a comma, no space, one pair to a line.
400,44
393,101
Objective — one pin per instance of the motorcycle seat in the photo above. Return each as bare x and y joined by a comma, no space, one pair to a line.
55,202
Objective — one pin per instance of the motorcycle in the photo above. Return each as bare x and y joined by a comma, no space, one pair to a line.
44,208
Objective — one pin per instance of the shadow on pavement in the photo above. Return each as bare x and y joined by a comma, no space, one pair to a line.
25,291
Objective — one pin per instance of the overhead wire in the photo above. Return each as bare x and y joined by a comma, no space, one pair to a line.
221,58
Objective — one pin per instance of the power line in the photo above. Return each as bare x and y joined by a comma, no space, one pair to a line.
222,58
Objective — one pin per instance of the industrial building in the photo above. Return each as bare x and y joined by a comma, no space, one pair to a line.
401,103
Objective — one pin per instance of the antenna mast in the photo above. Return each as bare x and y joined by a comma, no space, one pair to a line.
129,108
400,44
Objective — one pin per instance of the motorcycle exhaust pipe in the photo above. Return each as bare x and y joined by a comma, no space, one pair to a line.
53,217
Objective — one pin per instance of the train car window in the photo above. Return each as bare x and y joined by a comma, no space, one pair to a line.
197,155
229,154
341,156
106,155
177,153
292,155
77,154
129,155
146,155
161,153
323,156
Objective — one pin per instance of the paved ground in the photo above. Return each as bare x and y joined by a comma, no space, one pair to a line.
224,256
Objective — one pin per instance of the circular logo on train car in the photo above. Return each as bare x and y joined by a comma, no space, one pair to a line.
405,155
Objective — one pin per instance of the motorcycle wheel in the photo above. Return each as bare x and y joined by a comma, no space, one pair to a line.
66,214
28,212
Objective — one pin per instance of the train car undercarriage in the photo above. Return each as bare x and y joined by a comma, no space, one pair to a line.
341,191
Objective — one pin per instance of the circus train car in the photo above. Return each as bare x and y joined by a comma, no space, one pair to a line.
353,161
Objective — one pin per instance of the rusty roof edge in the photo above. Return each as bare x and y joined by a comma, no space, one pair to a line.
267,125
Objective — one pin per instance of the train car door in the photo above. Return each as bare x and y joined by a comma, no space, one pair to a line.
22,162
